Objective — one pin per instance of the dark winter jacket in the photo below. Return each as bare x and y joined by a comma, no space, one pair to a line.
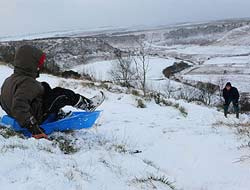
230,95
21,94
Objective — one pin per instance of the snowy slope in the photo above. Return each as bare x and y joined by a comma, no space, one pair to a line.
128,145
238,37
155,78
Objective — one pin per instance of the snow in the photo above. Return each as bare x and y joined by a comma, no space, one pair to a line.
213,50
100,70
239,81
238,36
226,60
155,78
216,64
190,151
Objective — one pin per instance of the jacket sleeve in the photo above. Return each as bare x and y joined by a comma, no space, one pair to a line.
21,102
237,95
224,94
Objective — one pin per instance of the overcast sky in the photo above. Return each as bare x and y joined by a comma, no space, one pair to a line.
31,16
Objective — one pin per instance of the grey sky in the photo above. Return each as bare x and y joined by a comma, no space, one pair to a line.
31,16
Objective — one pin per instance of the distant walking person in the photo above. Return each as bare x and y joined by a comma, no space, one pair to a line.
231,94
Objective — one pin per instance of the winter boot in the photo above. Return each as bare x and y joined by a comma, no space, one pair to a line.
96,101
83,103
237,115
90,104
225,114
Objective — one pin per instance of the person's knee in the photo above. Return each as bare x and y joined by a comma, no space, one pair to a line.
46,87
235,102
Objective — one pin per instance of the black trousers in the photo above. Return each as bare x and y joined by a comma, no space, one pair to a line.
56,98
235,105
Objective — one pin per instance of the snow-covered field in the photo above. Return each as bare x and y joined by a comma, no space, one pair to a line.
155,78
216,64
127,146
213,50
101,70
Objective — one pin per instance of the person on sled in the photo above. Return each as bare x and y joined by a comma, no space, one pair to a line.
231,95
31,102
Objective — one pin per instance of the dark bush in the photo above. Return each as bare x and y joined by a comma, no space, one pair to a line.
245,102
175,68
71,74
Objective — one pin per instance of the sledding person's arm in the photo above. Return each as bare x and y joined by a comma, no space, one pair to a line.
21,103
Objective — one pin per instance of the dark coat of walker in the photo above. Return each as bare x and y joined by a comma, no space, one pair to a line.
231,94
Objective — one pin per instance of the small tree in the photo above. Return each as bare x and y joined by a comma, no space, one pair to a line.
122,71
169,89
142,65
221,83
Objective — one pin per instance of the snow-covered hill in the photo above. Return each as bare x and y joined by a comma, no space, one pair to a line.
129,148
237,37
66,49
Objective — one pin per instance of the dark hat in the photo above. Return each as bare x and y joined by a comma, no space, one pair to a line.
228,84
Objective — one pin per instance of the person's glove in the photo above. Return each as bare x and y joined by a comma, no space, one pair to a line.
35,130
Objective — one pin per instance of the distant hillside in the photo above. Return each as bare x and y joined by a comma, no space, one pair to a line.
76,48
63,53
238,36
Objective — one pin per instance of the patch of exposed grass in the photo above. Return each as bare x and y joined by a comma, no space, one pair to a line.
174,105
123,149
11,147
151,164
152,178
67,146
183,111
135,92
140,103
242,129
7,132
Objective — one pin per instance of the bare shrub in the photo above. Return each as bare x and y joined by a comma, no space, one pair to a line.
122,71
141,104
221,83
169,89
175,68
142,65
207,91
244,102
161,100
189,93
135,92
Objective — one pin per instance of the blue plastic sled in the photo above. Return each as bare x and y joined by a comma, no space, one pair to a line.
78,120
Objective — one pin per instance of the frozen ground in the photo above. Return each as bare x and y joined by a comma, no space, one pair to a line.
212,50
155,78
127,145
216,63
101,70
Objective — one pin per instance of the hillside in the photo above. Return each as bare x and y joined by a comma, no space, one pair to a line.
71,48
174,138
127,151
